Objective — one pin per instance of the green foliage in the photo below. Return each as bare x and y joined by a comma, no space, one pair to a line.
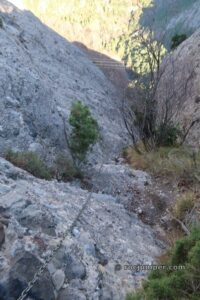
177,40
1,22
146,57
103,19
85,131
105,25
163,134
167,135
178,284
128,46
30,162
144,51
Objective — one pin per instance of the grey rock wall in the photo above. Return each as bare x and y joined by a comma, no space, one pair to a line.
42,74
180,84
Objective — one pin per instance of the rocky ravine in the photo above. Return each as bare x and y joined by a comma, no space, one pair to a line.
42,75
34,214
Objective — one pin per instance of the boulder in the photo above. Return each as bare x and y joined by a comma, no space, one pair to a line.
58,279
22,272
74,268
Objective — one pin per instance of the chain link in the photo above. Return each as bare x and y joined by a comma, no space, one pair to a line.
41,270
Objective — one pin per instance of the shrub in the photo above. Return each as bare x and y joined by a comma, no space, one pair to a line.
85,131
175,162
30,162
177,39
167,135
64,169
1,23
175,284
184,204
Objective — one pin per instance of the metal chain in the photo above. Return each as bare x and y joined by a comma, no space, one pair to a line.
41,270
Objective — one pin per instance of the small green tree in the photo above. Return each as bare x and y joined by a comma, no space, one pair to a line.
85,131
177,39
1,22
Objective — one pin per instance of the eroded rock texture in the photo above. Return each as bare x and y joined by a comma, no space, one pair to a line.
42,74
87,265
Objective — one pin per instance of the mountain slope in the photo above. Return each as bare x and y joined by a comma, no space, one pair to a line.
107,26
96,23
42,74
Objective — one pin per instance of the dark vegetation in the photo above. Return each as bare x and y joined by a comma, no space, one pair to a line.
1,22
177,39
84,134
62,169
157,143
30,162
179,284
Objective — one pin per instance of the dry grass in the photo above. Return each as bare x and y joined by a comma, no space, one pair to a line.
30,162
180,162
171,238
62,170
184,204
180,166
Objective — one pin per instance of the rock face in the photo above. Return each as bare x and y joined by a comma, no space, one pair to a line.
180,83
187,18
42,75
90,263
119,181
172,17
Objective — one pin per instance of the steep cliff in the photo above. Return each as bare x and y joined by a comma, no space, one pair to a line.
172,17
42,74
180,86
